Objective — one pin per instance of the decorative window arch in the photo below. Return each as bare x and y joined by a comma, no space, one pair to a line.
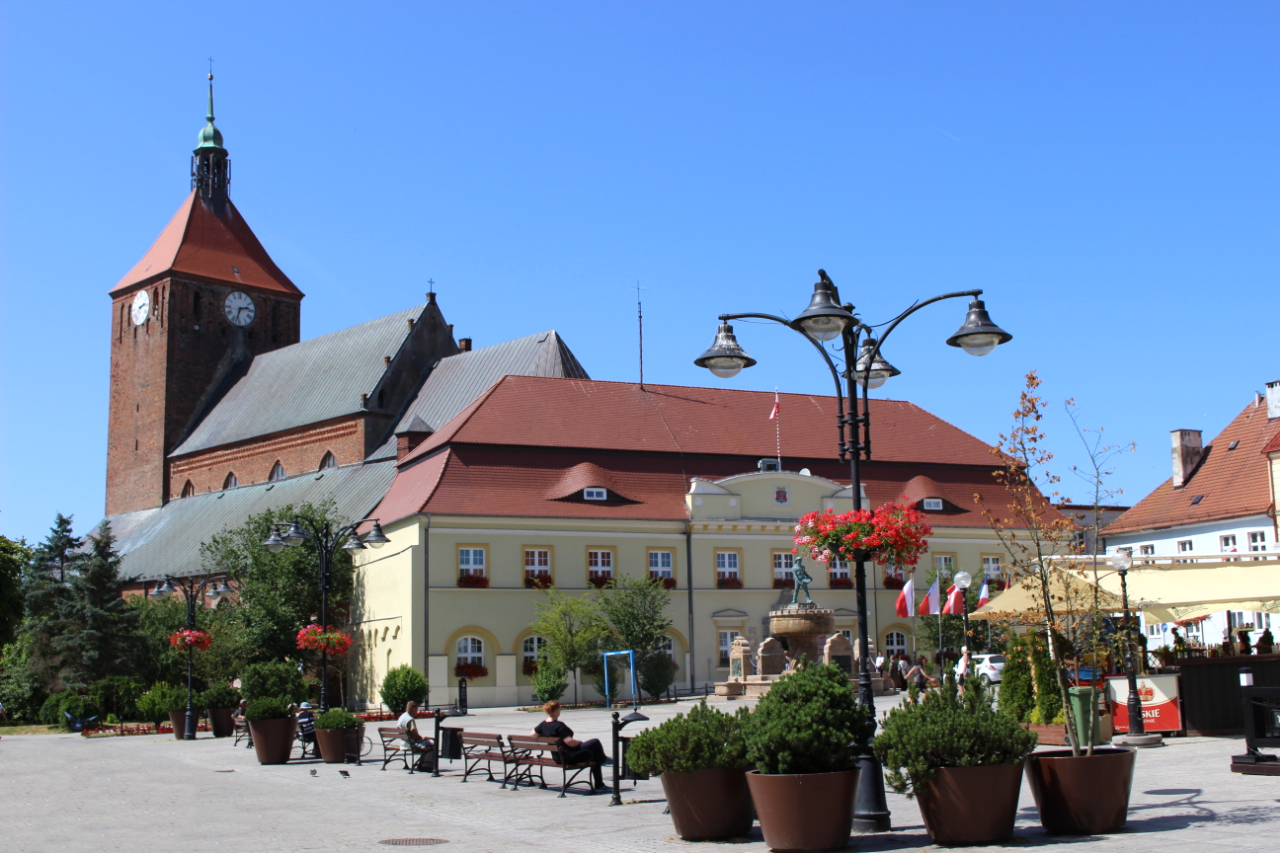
470,650
329,461
188,490
231,482
277,472
532,648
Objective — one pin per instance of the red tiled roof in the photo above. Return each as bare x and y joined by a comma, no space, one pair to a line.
1233,483
198,242
1273,445
562,413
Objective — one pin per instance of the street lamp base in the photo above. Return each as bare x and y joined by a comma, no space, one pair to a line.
870,808
1138,741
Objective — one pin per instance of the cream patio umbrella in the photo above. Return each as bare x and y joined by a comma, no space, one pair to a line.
1071,594
1170,593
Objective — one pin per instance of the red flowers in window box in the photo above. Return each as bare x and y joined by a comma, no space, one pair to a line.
537,580
317,639
997,585
893,582
190,639
473,581
470,670
893,533
667,583
599,580
784,583
840,583
530,666
728,582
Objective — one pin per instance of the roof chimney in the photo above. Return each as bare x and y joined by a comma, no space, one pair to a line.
407,439
464,344
1273,399
1187,450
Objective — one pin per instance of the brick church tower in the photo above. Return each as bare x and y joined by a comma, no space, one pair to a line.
185,323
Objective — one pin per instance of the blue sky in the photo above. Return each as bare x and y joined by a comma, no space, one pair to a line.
1106,172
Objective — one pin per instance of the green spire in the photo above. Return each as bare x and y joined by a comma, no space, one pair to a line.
210,136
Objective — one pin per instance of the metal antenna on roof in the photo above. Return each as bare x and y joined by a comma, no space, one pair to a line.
640,318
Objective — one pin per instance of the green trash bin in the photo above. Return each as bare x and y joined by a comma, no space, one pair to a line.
1080,697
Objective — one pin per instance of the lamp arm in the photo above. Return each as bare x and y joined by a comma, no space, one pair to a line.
835,373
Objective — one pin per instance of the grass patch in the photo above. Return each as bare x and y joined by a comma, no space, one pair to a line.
29,730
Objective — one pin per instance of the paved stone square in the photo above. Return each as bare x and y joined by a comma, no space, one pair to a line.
155,793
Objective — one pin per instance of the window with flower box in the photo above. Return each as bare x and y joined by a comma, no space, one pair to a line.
726,645
537,568
838,574
993,571
600,562
662,566
894,576
729,569
472,566
533,648
469,659
784,563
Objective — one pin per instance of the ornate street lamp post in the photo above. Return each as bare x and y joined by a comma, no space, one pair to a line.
1121,561
194,590
963,581
326,544
827,319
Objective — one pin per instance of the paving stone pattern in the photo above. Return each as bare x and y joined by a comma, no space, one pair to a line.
155,793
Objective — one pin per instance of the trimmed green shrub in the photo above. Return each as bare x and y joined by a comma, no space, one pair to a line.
337,718
1048,696
549,680
267,708
703,739
403,685
220,696
616,677
271,679
154,705
807,722
117,695
75,704
1017,692
656,672
945,729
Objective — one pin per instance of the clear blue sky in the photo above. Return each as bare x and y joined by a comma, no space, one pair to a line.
1107,172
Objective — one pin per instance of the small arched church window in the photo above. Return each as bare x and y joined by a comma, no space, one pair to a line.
188,490
231,482
277,472
328,461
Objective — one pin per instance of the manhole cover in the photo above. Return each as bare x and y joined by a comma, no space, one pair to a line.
413,842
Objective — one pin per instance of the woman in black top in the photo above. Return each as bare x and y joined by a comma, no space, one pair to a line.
579,751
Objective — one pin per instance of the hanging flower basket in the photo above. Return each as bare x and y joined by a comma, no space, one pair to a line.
473,581
893,533
314,638
470,670
191,639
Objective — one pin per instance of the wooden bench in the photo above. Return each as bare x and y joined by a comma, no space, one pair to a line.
242,732
393,749
531,754
486,748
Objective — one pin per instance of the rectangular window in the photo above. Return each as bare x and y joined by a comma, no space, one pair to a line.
727,563
783,564
944,564
471,561
1184,546
595,494
1227,542
933,504
600,566
1147,550
1258,540
1154,630
537,568
839,568
600,560
661,564
992,569
726,645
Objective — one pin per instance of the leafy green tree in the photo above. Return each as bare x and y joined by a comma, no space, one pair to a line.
273,679
549,680
13,557
21,689
636,609
401,685
278,593
155,660
573,629
100,627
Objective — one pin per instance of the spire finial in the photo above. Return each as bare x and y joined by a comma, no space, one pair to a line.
209,163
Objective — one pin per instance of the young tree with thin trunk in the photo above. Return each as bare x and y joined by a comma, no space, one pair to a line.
573,629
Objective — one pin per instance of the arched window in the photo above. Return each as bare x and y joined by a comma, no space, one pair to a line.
471,650
666,646
328,461
277,472
895,642
231,482
533,647
188,490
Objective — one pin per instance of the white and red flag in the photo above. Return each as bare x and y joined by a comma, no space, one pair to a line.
955,601
773,413
907,598
985,595
929,604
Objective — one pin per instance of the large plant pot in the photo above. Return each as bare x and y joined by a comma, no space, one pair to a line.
336,743
962,806
221,723
709,805
273,739
178,719
1085,795
804,811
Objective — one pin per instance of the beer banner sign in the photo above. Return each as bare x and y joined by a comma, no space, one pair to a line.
1161,710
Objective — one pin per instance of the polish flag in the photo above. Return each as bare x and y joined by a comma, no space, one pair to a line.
929,604
907,598
773,413
955,602
985,595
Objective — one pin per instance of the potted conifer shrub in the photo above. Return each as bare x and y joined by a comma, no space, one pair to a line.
220,702
960,758
701,759
272,728
338,732
804,741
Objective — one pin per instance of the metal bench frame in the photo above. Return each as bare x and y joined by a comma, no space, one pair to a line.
529,754
478,747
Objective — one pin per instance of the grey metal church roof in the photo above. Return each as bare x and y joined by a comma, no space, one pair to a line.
458,380
156,542
305,383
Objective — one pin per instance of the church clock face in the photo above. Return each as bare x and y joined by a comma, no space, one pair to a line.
141,308
239,308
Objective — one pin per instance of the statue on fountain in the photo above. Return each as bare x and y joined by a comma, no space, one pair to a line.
803,579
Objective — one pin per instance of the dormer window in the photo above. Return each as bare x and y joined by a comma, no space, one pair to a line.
277,472
768,465
933,504
595,494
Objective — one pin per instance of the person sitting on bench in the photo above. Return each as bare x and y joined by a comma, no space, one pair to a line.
413,741
307,729
579,751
